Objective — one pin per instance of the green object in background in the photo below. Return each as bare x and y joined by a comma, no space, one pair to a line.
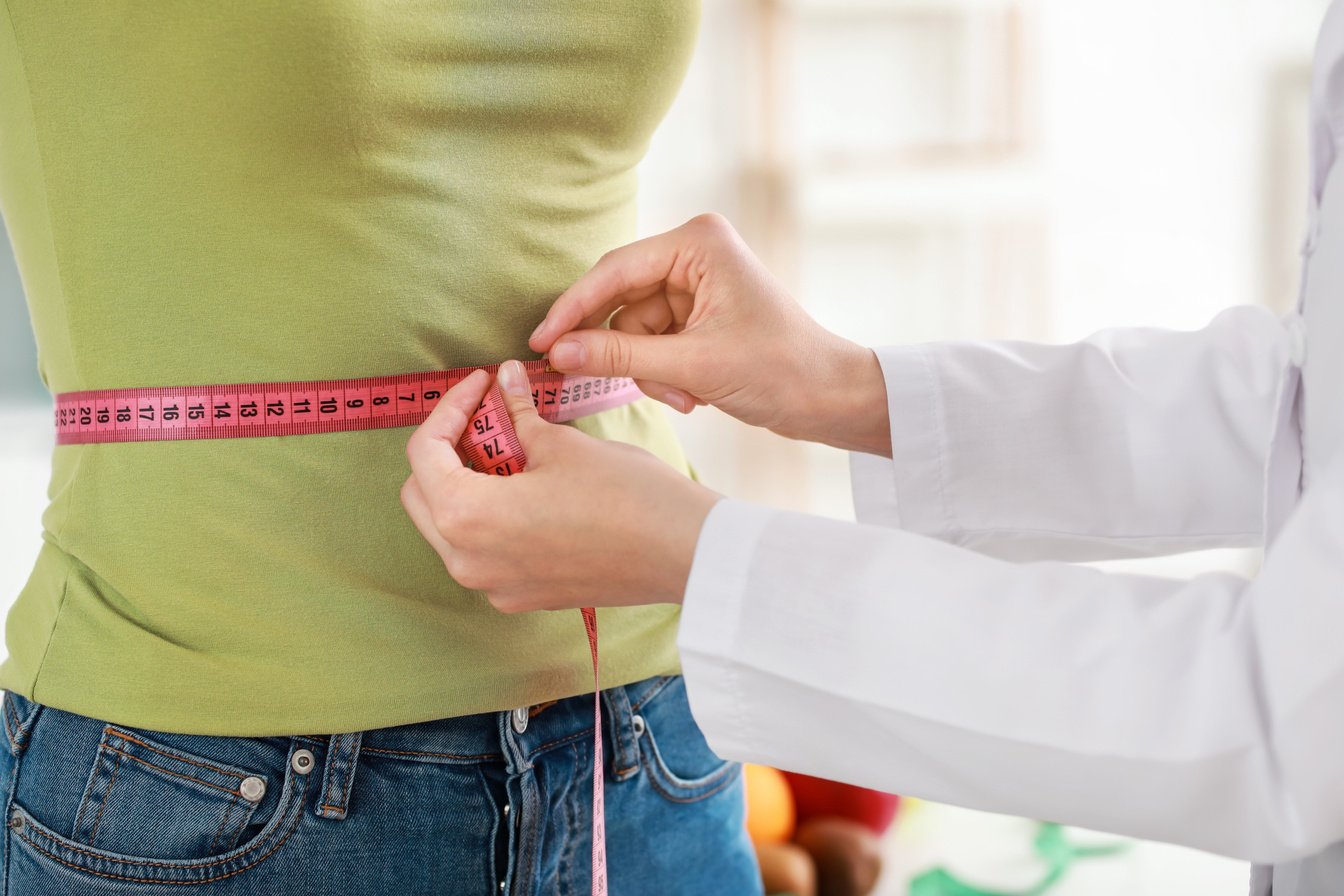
1058,854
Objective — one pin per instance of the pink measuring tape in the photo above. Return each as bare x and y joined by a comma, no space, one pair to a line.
249,410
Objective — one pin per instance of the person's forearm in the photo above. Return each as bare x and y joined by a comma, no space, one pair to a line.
847,402
1110,701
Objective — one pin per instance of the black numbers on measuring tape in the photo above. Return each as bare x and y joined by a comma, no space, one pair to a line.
159,408
505,469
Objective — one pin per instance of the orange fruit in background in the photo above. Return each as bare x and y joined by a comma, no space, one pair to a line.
771,814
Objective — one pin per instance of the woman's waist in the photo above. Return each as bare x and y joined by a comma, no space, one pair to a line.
331,652
535,728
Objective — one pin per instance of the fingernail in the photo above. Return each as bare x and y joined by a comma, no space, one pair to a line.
537,332
568,355
512,377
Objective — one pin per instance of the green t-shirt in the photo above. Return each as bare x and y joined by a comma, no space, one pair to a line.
262,191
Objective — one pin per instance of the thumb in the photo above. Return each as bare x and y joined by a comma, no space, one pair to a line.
432,447
517,391
506,411
667,359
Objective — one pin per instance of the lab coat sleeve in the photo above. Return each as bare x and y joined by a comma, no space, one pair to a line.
1130,443
1208,713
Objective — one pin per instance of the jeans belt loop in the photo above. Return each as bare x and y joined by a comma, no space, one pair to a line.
20,715
624,751
338,775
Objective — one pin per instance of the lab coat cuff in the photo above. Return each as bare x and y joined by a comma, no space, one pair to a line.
909,490
711,621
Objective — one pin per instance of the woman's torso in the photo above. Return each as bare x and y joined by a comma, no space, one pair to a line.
313,189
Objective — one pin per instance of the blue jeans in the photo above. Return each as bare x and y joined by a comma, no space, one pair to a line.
479,805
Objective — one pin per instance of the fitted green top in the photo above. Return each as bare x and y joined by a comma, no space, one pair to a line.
268,190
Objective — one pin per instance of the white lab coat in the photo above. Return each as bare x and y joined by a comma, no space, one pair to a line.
918,651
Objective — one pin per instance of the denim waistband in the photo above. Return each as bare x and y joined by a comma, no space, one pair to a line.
513,737
474,738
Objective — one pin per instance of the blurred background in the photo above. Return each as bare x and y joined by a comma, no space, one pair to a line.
943,169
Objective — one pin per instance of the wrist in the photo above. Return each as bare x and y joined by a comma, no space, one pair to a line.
682,538
848,401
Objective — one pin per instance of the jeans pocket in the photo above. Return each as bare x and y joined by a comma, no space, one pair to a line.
680,765
133,805
162,802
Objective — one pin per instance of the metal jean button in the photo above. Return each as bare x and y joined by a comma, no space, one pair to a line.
302,761
520,719
637,723
252,788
